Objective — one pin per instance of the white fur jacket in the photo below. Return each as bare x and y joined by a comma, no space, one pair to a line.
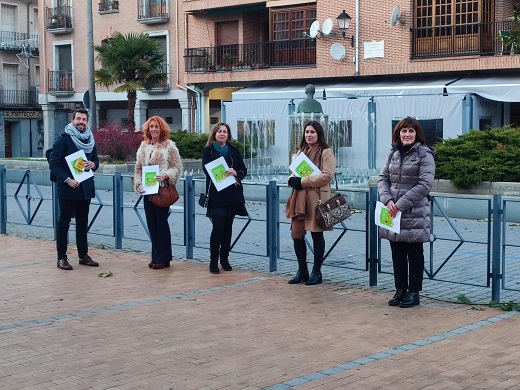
165,154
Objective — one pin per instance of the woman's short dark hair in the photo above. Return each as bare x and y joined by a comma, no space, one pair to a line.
213,134
321,135
406,123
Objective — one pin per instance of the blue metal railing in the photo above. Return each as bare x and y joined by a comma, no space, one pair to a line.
478,246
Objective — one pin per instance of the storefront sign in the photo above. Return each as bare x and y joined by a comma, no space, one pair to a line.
23,114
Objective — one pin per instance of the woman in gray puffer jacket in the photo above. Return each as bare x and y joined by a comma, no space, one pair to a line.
404,185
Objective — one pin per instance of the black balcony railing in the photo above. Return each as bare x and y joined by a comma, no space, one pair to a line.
299,52
152,9
17,41
58,18
161,85
14,98
461,40
60,80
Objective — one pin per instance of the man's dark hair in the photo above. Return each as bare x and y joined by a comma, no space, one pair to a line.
80,111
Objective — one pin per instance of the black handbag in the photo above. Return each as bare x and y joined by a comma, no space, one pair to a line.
204,197
332,211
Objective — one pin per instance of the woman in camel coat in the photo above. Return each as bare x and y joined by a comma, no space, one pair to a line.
305,196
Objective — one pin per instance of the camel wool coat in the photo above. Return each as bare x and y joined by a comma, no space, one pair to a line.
311,185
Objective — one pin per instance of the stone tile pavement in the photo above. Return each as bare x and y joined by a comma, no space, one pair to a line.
463,272
184,328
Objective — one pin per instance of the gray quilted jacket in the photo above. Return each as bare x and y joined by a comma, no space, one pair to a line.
407,180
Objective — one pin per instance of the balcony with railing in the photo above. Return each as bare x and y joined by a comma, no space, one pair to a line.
15,41
298,52
58,20
152,11
60,82
462,40
16,99
161,84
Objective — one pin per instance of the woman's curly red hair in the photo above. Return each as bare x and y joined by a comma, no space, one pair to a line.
165,129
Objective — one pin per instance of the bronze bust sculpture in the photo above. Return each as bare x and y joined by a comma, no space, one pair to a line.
310,105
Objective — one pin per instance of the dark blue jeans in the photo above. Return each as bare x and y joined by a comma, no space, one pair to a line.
80,209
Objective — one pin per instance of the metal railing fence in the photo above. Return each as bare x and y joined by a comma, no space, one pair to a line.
296,52
462,252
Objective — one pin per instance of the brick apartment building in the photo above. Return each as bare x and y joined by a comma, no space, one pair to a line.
446,62
21,120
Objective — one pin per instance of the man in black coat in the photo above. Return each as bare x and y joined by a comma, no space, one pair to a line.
74,197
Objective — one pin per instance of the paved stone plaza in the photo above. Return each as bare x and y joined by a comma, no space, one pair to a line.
184,328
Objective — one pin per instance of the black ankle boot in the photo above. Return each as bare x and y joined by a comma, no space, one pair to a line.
225,265
315,278
301,276
213,266
398,297
411,299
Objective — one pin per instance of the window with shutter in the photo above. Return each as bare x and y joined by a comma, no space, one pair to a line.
290,46
227,41
453,26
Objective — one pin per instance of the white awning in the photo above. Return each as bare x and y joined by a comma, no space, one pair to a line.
499,88
355,89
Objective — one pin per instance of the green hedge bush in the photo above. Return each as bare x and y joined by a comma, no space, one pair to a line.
190,145
481,155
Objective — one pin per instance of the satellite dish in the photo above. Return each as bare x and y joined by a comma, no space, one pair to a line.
337,51
314,29
86,99
396,15
327,26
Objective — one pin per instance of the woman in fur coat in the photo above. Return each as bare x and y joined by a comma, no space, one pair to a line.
158,149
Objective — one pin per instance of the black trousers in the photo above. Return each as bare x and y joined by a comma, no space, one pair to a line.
80,209
408,261
220,239
157,222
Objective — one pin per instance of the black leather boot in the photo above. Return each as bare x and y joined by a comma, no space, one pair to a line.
213,266
301,276
225,265
319,251
300,249
397,299
315,278
411,299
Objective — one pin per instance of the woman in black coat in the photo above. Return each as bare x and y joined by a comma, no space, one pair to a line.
225,204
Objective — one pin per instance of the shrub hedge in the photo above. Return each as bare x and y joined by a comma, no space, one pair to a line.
116,142
480,155
190,145
119,145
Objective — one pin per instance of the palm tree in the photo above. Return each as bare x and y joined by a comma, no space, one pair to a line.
129,61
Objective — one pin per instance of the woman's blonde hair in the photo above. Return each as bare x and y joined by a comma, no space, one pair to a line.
214,130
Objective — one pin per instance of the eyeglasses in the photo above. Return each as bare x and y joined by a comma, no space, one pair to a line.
408,130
